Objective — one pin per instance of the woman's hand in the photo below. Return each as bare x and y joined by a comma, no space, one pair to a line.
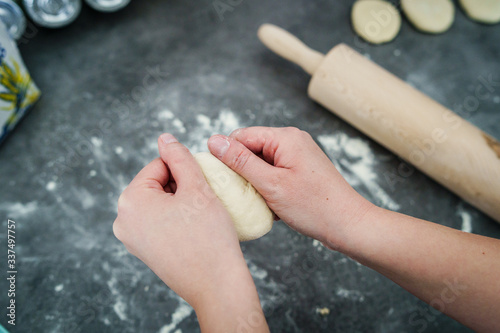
170,219
297,180
453,271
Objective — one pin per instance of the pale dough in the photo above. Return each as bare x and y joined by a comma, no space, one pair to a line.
376,21
251,216
433,16
485,11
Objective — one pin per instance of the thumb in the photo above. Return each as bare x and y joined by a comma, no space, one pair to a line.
244,162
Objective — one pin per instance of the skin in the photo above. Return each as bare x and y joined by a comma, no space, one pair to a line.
168,217
170,205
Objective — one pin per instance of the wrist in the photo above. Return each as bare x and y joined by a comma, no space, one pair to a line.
230,303
365,237
342,234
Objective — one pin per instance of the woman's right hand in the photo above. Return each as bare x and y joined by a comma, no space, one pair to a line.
297,180
454,271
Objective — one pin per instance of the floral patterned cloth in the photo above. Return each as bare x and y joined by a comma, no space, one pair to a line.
18,92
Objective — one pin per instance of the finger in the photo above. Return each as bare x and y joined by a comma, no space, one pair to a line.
254,138
155,175
266,141
243,161
183,167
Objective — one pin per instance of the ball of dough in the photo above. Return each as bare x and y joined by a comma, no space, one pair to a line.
376,21
251,216
433,16
485,11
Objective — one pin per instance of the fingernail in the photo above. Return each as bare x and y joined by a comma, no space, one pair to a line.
167,138
219,145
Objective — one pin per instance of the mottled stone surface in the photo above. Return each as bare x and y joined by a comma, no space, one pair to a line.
113,82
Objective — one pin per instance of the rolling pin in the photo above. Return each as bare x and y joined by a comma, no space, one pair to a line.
437,141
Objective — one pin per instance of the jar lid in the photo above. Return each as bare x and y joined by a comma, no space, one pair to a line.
53,13
13,18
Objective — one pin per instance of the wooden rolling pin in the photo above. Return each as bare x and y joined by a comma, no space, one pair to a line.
446,147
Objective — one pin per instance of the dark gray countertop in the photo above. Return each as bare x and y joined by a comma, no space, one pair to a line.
112,83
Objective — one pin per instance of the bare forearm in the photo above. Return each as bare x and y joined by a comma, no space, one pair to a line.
233,306
455,272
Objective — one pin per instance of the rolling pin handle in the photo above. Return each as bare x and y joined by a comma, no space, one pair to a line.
290,47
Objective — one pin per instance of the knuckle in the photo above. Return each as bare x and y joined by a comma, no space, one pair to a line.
127,202
240,160
306,135
117,230
293,131
122,202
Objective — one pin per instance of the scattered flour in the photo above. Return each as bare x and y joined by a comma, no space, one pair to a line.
225,123
183,311
354,295
59,287
354,159
86,198
256,272
102,156
96,141
179,125
165,114
203,120
51,186
118,150
120,306
18,210
466,220
318,245
199,132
